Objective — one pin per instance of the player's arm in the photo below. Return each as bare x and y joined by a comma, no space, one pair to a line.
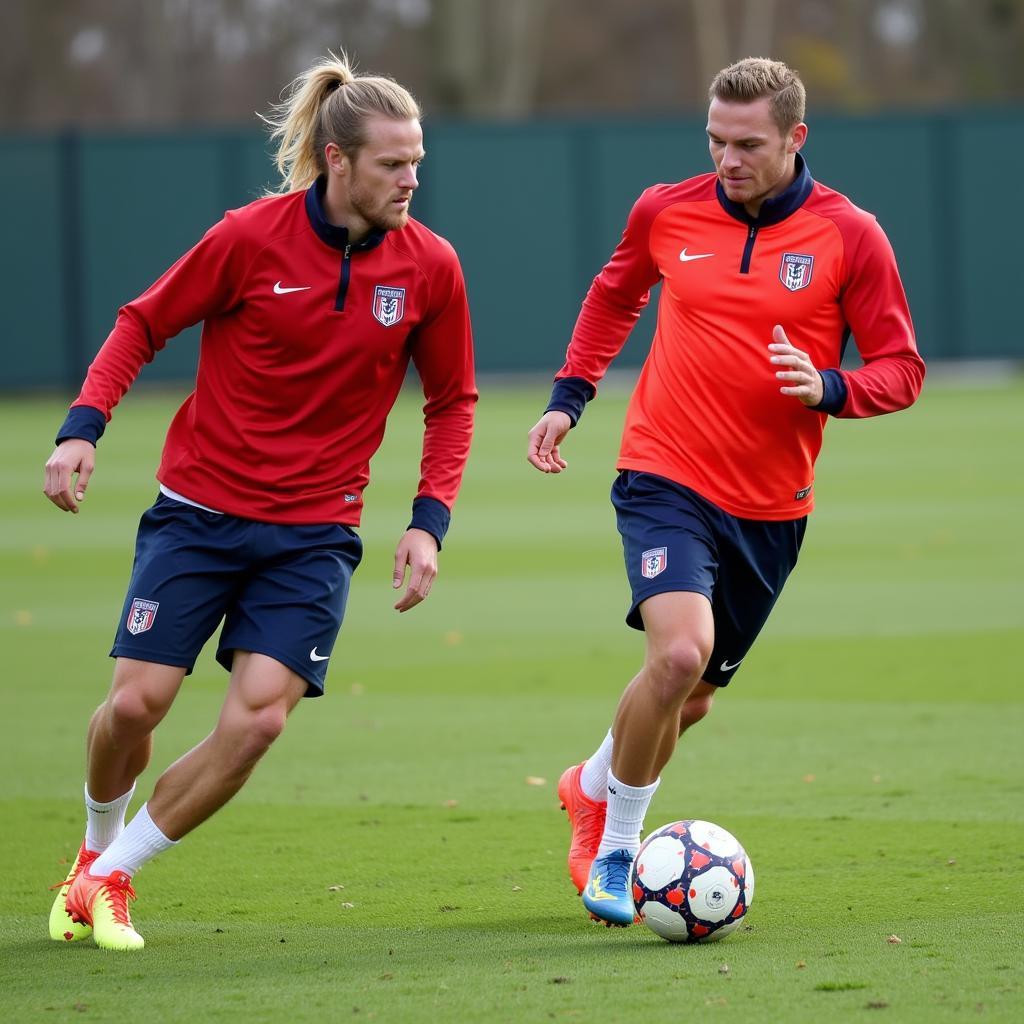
204,282
442,352
875,307
609,312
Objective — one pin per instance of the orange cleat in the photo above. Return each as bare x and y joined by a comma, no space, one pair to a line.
62,927
586,818
102,901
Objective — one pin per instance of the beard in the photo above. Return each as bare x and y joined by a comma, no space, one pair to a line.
378,215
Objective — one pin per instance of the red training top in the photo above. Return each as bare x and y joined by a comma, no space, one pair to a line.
707,412
305,344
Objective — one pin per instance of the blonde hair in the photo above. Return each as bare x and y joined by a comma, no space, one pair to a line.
330,103
756,77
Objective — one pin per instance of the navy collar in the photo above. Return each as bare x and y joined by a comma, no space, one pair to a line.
779,207
332,234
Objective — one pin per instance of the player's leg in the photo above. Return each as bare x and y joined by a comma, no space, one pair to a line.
186,563
671,562
680,634
697,705
680,631
119,742
583,788
118,746
260,696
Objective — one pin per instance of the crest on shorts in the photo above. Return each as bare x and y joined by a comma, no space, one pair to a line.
141,616
388,304
653,562
795,270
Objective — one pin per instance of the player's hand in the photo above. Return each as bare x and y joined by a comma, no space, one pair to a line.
417,552
802,380
546,436
71,458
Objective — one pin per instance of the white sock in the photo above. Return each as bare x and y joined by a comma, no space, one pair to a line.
139,842
594,777
627,806
104,822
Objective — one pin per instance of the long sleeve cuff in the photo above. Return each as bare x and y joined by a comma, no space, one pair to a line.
835,392
431,515
570,395
83,421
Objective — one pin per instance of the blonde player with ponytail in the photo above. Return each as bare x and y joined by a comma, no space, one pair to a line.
313,300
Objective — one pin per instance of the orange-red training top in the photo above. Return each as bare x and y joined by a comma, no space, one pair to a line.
707,411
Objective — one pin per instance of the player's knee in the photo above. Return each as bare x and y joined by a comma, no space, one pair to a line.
130,712
676,668
262,726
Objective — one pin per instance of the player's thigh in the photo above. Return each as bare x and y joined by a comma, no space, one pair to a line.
679,629
259,683
292,606
187,565
668,548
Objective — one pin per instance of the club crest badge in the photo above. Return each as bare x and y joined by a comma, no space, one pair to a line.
388,304
141,616
653,562
795,270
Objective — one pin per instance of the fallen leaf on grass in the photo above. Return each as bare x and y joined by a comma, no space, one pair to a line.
536,780
894,940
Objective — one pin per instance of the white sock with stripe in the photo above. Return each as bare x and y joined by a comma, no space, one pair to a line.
141,841
594,777
104,822
627,806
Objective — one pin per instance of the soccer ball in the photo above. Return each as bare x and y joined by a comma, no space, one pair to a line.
692,881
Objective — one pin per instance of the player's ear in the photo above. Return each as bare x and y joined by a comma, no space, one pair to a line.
797,138
337,162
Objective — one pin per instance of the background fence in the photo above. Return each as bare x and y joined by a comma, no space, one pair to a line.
534,209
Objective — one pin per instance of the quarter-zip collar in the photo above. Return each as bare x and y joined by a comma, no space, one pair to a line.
779,207
334,235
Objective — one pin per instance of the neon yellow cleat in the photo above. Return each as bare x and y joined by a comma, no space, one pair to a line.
102,901
62,927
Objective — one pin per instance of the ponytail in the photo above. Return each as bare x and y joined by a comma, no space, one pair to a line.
330,103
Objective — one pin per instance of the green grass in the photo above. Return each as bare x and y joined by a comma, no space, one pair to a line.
868,755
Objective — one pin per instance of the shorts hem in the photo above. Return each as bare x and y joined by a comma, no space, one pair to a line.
154,657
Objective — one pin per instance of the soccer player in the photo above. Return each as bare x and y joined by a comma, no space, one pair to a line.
312,301
764,275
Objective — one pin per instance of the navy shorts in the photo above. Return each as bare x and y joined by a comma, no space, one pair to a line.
281,590
675,540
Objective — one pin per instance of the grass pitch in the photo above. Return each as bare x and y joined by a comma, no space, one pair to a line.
399,855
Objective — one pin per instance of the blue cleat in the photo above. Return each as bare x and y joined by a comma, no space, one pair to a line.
606,894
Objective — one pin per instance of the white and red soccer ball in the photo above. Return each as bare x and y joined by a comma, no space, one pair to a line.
692,881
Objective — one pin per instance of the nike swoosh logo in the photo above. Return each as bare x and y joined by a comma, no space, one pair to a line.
278,290
726,667
313,656
686,257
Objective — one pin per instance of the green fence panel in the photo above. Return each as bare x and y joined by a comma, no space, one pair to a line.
533,209
980,249
502,195
33,350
